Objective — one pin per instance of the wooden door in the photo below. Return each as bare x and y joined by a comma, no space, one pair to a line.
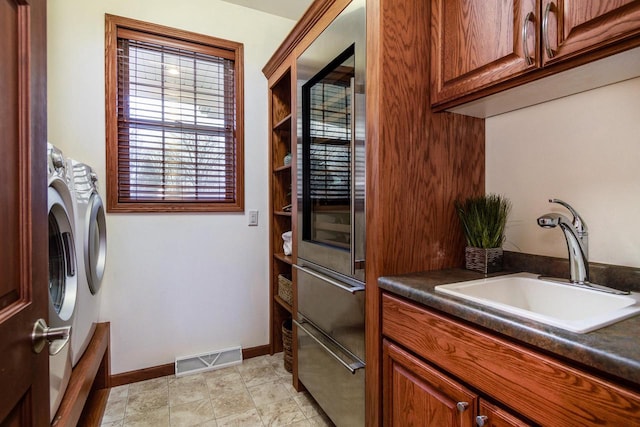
24,375
415,394
581,26
475,44
494,416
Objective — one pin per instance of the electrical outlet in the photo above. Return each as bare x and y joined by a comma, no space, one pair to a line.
253,217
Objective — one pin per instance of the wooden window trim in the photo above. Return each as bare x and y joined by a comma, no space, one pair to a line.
226,49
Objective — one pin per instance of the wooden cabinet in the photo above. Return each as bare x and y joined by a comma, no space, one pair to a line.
417,394
531,385
280,192
417,162
477,44
489,46
578,27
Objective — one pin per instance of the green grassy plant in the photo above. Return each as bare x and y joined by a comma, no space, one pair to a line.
483,220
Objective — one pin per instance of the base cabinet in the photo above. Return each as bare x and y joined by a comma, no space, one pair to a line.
417,394
439,371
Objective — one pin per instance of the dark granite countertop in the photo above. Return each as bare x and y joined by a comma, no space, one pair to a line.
613,350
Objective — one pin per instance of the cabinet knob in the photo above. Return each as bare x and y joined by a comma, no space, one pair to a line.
462,406
482,420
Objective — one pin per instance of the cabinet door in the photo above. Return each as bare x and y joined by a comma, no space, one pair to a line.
415,394
571,28
475,44
493,416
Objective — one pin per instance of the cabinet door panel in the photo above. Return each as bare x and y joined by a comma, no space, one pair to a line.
476,44
497,417
580,26
418,395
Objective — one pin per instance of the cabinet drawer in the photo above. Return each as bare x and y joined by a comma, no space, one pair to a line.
324,369
523,379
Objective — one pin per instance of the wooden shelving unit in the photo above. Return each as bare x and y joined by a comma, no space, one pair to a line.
281,73
280,196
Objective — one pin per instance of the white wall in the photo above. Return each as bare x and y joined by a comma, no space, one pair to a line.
583,149
175,284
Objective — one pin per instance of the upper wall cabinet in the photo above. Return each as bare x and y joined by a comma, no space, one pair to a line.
480,48
571,28
479,43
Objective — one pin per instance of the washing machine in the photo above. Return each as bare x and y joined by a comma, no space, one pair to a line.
91,245
63,271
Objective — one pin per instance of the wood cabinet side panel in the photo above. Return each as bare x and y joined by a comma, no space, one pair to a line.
418,163
435,158
509,372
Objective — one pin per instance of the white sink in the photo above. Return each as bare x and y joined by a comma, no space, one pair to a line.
568,307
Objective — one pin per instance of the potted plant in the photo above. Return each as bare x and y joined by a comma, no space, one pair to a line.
483,221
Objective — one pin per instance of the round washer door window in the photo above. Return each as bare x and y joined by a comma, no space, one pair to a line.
95,250
62,258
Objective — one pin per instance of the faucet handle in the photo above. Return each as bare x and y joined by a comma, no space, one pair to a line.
577,221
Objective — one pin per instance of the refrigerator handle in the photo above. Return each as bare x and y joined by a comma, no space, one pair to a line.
343,286
352,167
357,263
351,367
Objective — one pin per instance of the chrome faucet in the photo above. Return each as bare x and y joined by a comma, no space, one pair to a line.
577,235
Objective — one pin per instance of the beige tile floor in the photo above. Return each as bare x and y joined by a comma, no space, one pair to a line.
256,393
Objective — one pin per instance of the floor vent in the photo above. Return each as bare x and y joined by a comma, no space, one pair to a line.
208,361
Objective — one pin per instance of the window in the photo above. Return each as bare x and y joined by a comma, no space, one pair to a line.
174,120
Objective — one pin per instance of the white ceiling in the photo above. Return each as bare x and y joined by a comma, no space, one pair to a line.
291,9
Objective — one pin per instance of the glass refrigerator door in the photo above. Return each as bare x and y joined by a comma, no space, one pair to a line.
327,153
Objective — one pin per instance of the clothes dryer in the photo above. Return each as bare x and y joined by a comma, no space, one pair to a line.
91,245
62,271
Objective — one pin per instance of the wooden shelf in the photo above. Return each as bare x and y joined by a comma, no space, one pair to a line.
282,168
284,258
284,124
283,303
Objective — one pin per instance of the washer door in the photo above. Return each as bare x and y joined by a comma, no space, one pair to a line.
95,243
62,261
